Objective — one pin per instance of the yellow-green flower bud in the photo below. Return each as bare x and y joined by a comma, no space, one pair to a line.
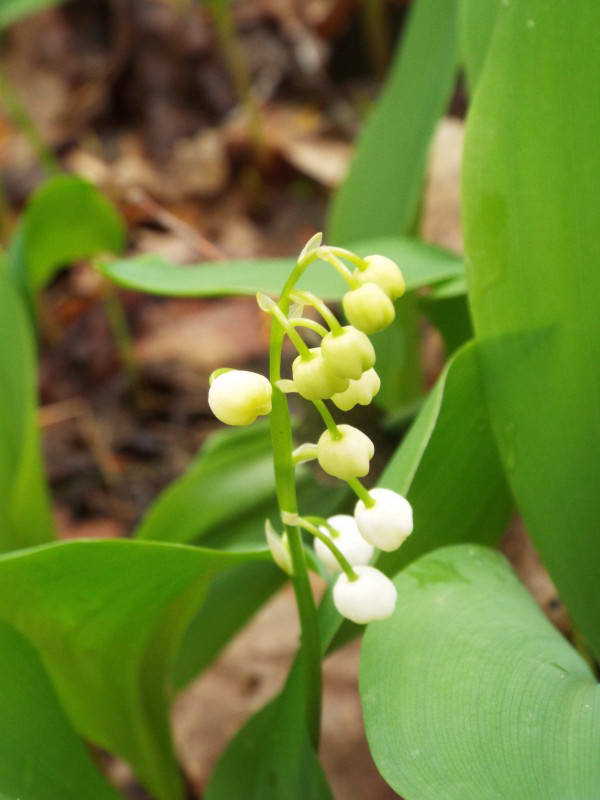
359,392
314,379
347,457
385,273
348,352
368,308
238,397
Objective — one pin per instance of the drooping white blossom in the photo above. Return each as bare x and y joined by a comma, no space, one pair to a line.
370,597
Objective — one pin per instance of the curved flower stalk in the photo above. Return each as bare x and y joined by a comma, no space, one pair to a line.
341,369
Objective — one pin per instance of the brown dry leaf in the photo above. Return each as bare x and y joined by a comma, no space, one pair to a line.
204,336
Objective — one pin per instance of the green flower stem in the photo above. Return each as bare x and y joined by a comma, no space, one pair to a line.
349,256
281,437
326,255
322,522
328,419
340,557
310,324
324,310
288,327
361,492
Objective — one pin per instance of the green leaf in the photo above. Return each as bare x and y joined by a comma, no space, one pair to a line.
469,692
448,467
107,618
66,219
12,10
531,212
41,756
421,264
382,193
477,21
272,758
25,517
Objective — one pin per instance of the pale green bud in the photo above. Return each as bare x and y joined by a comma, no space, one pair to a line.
348,352
368,308
347,457
385,273
314,379
359,392
238,397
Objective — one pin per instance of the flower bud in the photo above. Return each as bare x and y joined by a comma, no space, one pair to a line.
387,523
238,397
348,352
371,596
348,540
368,308
361,391
314,379
385,273
347,457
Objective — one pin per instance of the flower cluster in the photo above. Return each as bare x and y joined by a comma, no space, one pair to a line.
341,369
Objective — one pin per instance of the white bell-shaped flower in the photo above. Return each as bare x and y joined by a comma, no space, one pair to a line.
368,308
348,540
388,522
238,397
359,392
348,352
347,457
313,377
371,596
385,273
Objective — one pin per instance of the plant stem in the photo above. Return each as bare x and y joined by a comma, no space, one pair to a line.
343,270
349,256
310,324
117,321
328,315
340,557
328,419
361,492
288,328
281,437
376,34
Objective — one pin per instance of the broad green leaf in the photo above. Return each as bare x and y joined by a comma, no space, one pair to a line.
41,756
12,10
107,618
532,171
469,693
477,20
422,265
25,517
272,758
232,473
66,219
448,467
382,193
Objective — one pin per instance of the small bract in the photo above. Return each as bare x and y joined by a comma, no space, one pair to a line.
348,541
348,352
314,379
385,273
347,457
368,308
370,597
359,392
388,522
238,397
